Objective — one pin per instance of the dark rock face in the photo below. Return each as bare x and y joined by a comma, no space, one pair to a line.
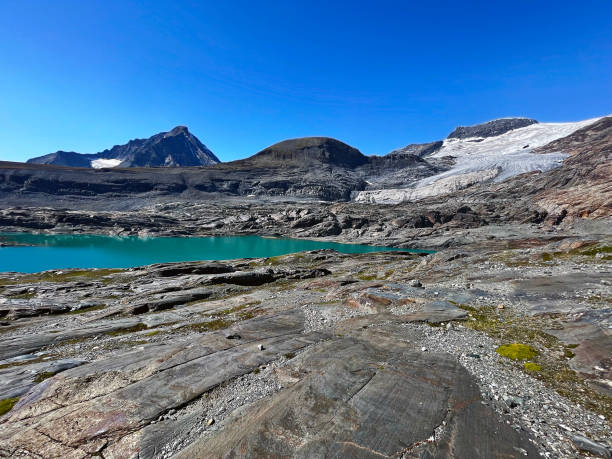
418,149
176,148
491,128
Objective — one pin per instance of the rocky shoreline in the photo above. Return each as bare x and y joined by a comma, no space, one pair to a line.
317,353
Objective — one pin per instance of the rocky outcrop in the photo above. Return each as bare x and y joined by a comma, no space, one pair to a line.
175,148
336,355
581,187
490,128
419,149
343,403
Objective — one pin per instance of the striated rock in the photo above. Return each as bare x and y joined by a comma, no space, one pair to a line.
196,268
345,404
17,380
169,300
16,310
116,394
332,366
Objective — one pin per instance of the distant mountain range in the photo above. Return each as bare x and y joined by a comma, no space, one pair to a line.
175,148
322,168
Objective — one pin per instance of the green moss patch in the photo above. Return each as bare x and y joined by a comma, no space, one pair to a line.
547,256
551,355
23,296
595,250
64,276
530,366
7,405
21,363
216,324
40,377
517,351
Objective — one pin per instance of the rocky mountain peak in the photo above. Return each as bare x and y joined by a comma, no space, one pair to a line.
175,148
178,130
490,128
308,149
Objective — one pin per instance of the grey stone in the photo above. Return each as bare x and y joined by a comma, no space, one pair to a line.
586,444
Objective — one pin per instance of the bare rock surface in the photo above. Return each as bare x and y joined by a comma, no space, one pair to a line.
332,356
355,398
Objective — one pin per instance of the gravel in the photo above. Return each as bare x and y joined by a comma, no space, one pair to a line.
525,402
206,414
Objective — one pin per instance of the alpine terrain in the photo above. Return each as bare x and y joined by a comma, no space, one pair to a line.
493,342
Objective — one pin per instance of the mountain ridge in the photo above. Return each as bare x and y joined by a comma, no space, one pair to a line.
175,148
320,168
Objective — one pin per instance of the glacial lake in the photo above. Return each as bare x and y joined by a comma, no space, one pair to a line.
40,252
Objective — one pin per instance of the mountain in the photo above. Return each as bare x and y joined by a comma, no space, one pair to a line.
306,168
488,152
316,168
175,148
307,150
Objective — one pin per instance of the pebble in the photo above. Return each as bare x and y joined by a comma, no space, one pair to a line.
513,401
260,347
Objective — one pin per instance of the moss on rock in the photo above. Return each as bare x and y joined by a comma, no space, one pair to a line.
516,351
530,366
7,405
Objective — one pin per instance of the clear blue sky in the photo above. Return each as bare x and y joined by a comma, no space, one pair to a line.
85,75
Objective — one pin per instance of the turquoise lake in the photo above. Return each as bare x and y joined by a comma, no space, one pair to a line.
59,251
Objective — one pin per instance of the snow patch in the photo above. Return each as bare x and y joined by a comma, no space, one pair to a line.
100,163
509,165
518,140
508,154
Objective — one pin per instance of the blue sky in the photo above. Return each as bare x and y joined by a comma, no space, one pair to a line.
86,75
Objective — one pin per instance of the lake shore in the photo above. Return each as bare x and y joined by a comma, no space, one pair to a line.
86,338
